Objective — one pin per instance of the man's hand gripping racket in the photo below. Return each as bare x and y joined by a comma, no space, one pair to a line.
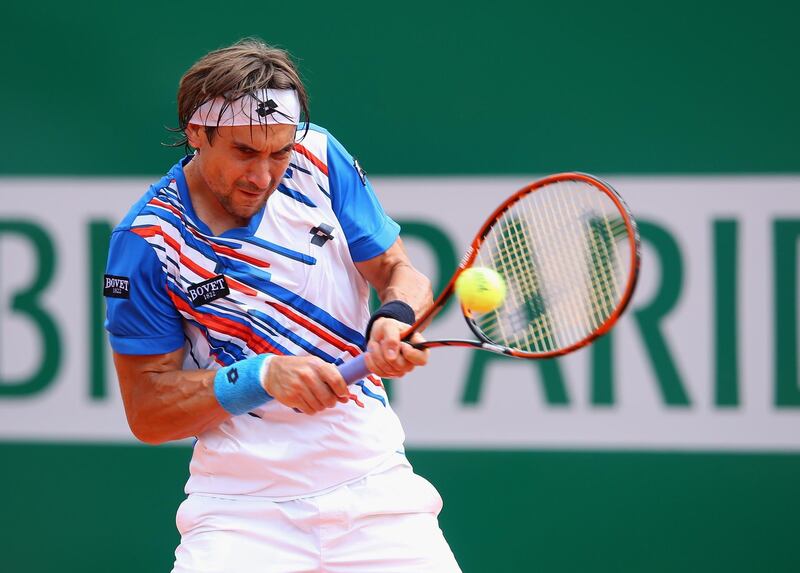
561,258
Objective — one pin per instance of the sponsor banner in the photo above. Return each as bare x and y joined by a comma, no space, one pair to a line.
705,357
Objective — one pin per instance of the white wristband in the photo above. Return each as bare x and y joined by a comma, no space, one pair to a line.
265,371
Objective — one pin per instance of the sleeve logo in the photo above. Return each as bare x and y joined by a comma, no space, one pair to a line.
360,170
208,291
116,287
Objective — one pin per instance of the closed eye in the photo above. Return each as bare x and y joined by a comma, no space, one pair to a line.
282,153
245,150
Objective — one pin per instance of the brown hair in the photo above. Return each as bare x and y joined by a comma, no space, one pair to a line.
232,72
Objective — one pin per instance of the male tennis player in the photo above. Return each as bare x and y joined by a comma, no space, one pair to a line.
234,286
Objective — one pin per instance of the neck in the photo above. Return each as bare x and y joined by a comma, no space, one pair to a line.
206,206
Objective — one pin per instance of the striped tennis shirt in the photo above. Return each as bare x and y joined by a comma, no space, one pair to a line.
287,285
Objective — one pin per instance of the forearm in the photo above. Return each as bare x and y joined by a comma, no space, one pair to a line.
165,404
386,356
407,284
395,278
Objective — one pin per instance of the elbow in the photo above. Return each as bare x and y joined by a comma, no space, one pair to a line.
145,422
147,437
149,431
145,432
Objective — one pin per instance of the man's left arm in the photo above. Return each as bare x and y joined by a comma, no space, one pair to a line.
395,278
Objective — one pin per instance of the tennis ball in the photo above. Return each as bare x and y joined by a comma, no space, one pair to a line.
480,289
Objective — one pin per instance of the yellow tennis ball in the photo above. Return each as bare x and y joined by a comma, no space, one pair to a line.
480,289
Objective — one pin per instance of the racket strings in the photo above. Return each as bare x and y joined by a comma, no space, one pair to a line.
605,290
538,333
502,261
558,250
560,239
524,324
554,233
597,316
586,208
609,249
541,244
523,321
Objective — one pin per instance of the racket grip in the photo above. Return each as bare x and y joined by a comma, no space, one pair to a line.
355,369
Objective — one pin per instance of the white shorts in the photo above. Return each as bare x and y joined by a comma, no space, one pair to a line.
383,523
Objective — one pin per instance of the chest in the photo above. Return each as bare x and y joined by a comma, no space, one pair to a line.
296,251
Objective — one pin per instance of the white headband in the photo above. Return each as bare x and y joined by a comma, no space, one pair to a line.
260,107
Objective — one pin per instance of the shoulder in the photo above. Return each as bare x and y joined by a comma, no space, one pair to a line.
313,136
319,154
161,200
158,195
152,227
319,146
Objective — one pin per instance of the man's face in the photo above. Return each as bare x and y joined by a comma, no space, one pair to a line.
243,165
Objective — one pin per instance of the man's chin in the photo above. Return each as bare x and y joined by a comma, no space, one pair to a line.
246,205
248,211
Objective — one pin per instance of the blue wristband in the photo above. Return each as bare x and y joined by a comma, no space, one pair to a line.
238,387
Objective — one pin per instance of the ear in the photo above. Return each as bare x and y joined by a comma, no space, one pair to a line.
196,135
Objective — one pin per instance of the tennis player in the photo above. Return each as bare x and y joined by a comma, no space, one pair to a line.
234,286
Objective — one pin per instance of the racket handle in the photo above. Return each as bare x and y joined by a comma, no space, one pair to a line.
355,369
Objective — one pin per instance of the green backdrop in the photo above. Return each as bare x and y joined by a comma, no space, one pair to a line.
427,88
422,86
112,508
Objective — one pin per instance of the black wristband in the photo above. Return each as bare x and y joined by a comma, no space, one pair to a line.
395,309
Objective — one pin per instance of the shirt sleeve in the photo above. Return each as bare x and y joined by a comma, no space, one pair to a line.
368,229
140,318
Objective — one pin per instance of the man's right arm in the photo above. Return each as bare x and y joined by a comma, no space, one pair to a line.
164,403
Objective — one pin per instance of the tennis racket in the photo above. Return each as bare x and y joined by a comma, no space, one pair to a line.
567,248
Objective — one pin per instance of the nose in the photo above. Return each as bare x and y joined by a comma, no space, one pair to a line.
261,174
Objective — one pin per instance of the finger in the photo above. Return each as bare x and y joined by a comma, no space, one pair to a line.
310,397
399,363
333,378
303,406
378,362
414,356
390,347
369,361
417,338
323,394
387,333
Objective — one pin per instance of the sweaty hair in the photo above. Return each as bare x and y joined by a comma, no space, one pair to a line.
232,72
